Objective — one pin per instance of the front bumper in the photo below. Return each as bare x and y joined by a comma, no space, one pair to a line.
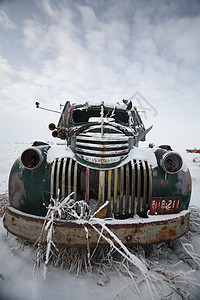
133,231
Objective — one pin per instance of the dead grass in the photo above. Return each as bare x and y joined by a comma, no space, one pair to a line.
3,203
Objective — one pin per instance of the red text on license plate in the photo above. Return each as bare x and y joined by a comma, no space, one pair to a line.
165,205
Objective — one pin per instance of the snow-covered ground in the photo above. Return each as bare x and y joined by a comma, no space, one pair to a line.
17,281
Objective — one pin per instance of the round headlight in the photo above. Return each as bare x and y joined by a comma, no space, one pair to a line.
32,158
171,162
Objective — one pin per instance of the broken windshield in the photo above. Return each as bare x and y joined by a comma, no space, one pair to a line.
87,115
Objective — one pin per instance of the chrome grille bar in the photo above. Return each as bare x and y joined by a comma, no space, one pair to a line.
115,192
121,194
102,146
95,138
105,152
138,187
87,190
57,178
75,180
63,178
69,176
127,196
144,186
52,179
101,186
133,206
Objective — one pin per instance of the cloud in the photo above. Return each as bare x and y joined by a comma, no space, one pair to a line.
89,19
85,50
5,21
80,49
5,69
181,40
49,8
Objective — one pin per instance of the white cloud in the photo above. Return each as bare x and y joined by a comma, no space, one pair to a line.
89,19
49,8
5,21
5,68
85,53
181,39
35,37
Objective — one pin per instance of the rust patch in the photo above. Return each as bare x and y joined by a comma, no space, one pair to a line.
71,233
187,181
17,191
102,213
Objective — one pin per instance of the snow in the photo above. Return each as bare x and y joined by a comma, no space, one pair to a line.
58,151
143,153
109,221
9,153
17,281
107,103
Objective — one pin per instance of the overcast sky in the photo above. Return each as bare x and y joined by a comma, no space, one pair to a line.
53,51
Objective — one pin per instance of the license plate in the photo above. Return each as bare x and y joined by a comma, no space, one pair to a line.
165,205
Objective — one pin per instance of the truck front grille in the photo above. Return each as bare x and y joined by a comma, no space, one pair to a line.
127,188
102,149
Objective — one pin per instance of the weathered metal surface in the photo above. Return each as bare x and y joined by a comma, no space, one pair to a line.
101,187
115,192
69,176
26,185
87,190
127,211
75,180
172,185
135,231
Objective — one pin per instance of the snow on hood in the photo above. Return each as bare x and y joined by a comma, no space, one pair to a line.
107,103
143,154
59,151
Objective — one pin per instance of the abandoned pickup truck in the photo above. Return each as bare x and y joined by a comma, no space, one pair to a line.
144,192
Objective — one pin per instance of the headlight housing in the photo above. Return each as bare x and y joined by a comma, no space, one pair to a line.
171,162
32,158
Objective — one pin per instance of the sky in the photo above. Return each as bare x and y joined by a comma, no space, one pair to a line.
101,50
